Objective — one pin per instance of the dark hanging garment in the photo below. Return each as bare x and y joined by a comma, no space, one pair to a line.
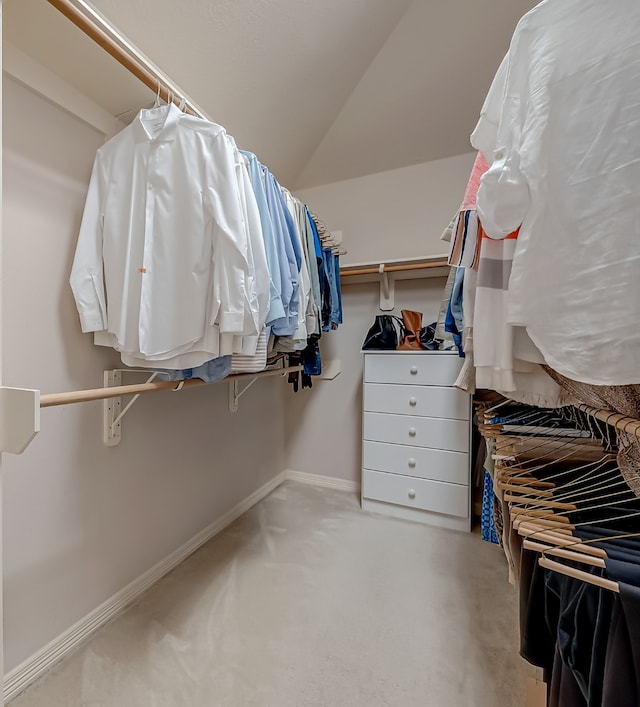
564,690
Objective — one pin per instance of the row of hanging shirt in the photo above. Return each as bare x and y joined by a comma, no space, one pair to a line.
190,254
548,235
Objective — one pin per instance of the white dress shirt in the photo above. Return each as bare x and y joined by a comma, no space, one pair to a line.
305,301
567,167
259,280
162,261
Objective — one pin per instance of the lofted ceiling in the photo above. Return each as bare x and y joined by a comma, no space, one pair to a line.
320,90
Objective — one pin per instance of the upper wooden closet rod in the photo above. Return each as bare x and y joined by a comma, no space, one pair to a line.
90,22
631,425
426,265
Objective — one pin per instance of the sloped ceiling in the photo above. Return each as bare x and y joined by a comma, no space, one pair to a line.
320,90
420,97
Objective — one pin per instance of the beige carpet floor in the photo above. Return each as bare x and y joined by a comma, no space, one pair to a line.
307,601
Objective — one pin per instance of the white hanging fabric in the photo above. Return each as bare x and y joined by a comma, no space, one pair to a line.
163,241
560,123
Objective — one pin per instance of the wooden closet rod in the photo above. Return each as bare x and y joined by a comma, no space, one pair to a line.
84,396
394,268
89,22
631,425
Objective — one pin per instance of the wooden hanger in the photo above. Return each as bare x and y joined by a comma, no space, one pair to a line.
582,557
544,561
578,574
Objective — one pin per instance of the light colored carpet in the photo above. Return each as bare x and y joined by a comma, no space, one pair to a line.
306,601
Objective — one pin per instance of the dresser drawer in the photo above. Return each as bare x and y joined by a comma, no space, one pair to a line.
452,435
427,495
434,464
412,369
428,401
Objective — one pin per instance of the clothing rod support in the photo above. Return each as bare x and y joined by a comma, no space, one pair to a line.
387,290
111,407
113,412
132,401
19,418
235,393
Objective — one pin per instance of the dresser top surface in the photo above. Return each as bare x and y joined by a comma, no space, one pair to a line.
378,352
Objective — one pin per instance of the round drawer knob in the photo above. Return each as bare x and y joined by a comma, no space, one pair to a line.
412,432
412,463
413,402
413,370
412,493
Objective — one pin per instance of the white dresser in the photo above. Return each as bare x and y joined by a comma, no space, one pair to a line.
416,438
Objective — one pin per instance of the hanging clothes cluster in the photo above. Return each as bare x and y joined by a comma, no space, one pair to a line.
193,260
541,301
498,356
562,495
548,233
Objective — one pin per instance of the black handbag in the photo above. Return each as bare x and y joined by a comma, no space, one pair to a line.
428,337
385,333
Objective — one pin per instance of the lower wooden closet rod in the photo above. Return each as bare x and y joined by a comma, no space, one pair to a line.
84,396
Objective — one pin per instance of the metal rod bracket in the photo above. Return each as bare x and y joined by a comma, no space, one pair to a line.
387,290
111,407
235,393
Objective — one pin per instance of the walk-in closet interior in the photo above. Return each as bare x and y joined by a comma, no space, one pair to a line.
319,368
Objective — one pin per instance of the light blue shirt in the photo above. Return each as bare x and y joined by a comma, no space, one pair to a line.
287,254
209,372
276,307
316,237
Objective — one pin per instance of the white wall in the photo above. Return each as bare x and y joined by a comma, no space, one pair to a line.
1,338
81,520
330,438
396,214
385,216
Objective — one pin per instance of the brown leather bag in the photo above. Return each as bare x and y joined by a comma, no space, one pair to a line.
412,324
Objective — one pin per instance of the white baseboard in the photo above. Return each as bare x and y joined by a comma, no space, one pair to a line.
24,674
330,482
